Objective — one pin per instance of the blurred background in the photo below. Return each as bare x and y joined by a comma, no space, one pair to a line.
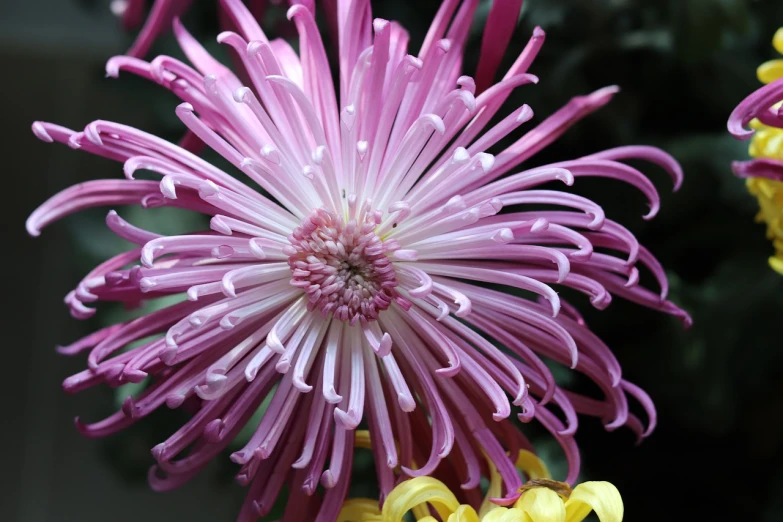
682,65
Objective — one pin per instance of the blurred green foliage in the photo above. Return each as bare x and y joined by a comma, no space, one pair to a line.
682,66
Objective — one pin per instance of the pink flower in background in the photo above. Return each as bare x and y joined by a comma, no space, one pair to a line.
160,16
378,265
158,21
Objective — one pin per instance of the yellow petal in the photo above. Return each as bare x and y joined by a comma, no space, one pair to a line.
528,462
532,465
361,439
777,40
464,513
770,71
417,491
601,497
494,491
421,513
541,505
358,509
506,515
776,263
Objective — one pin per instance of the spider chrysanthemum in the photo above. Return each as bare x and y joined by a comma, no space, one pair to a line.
363,273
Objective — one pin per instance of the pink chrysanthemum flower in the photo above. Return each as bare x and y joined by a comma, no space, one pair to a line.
364,275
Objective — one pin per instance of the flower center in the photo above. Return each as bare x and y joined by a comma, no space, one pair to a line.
342,267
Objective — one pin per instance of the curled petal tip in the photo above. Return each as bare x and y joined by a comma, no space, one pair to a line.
74,141
39,129
678,176
615,377
652,213
128,407
134,376
211,83
406,471
93,134
283,365
444,45
301,385
461,155
739,132
228,288
331,396
487,161
568,431
349,420
633,280
31,225
525,114
755,105
157,451
436,122
565,176
406,402
218,224
554,302
167,355
213,431
112,67
80,426
240,457
414,62
240,94
540,225
328,480
276,78
296,10
467,83
601,97
223,36
687,320
617,422
185,107
449,371
228,322
250,373
599,218
500,416
379,24
385,345
254,47
609,90
256,249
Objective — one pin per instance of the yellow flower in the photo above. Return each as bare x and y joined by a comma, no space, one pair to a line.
770,196
541,500
772,70
767,143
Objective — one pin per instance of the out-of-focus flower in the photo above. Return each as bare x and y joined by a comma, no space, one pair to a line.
761,111
541,499
160,16
133,14
367,257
